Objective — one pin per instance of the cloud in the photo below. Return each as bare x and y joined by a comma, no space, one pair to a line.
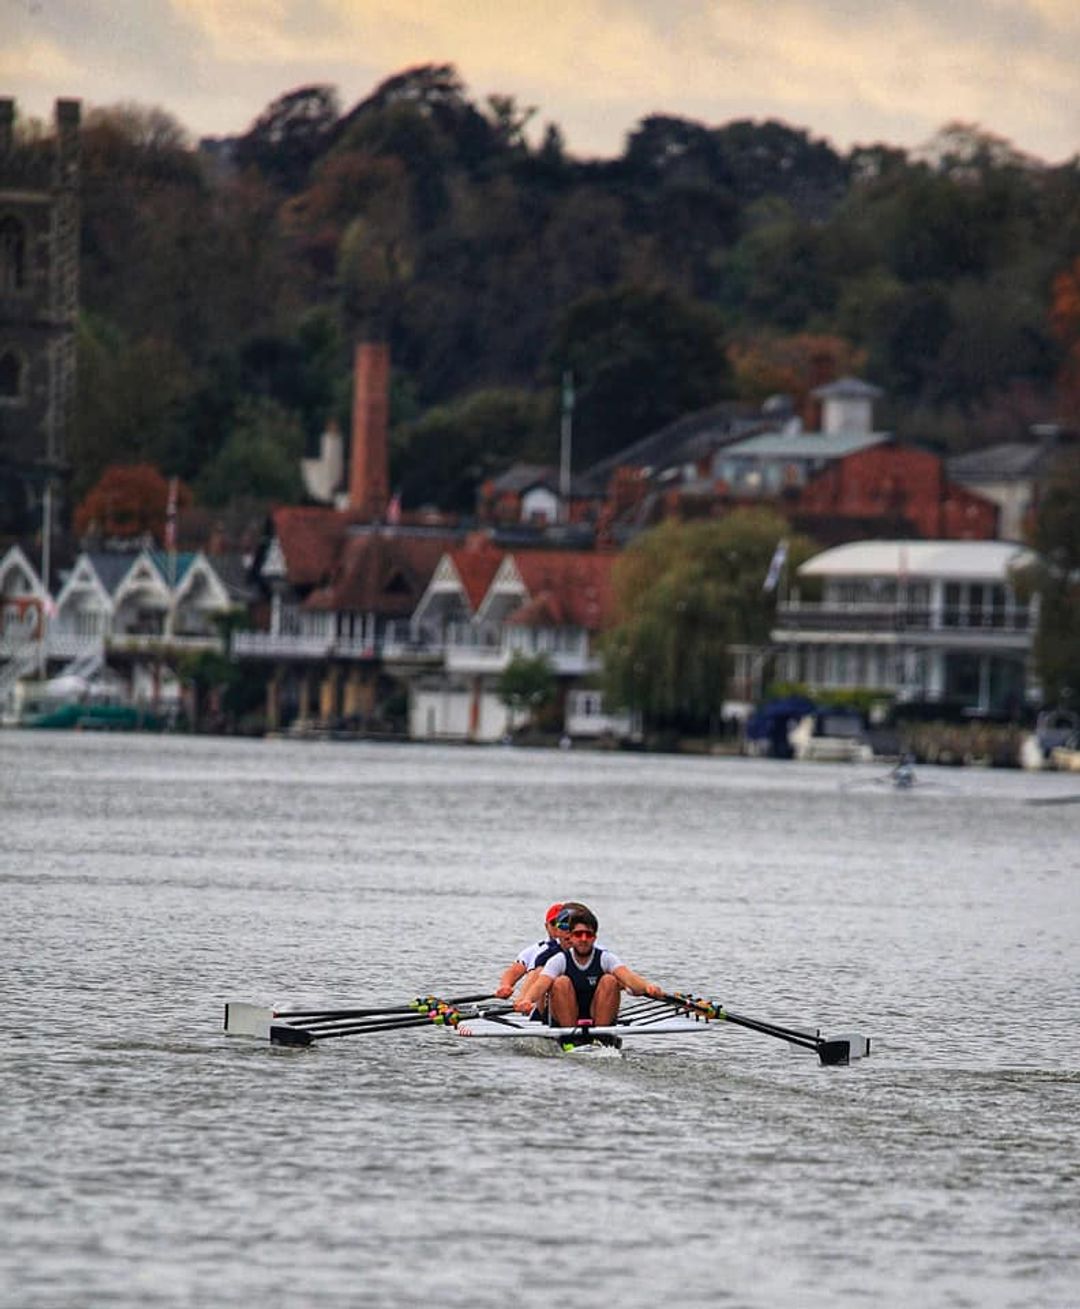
894,70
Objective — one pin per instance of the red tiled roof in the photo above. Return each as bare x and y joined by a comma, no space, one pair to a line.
381,573
571,587
310,540
476,566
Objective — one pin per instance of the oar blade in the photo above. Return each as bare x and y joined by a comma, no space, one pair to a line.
839,1051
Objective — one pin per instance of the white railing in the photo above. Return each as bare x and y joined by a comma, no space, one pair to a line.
280,645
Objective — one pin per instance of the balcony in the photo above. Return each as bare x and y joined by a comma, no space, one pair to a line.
949,623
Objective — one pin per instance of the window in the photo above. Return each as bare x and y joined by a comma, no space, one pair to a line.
12,255
11,375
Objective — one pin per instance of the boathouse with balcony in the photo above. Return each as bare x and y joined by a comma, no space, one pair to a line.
941,623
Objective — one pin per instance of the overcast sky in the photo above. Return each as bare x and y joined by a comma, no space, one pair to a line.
855,71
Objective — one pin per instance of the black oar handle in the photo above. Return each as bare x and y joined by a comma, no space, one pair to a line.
710,1010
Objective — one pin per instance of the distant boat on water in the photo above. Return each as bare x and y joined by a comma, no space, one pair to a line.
74,703
94,717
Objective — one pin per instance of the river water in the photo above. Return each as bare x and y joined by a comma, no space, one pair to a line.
148,1160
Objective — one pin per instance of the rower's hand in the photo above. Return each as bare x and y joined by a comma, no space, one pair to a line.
650,988
503,992
524,1006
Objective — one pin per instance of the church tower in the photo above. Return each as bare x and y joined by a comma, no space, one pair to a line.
39,303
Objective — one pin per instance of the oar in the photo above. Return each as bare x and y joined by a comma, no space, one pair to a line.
442,1014
420,1005
840,1050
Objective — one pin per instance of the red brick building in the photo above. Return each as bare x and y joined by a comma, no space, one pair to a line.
897,484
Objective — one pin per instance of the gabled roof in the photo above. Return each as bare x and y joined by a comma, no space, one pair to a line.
310,540
173,567
381,572
110,567
476,566
949,560
519,478
686,439
571,588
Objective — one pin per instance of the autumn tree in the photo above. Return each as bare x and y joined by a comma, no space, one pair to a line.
1065,324
127,502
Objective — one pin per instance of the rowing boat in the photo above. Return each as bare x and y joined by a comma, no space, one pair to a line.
487,1018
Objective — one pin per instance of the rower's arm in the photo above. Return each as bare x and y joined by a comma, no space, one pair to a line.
534,991
510,979
634,982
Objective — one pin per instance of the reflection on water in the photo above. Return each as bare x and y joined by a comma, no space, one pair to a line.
150,1161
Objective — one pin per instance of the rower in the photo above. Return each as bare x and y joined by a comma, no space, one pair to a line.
535,956
584,979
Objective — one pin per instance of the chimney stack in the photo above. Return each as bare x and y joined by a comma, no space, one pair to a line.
369,484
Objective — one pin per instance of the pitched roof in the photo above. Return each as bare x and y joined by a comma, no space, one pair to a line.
519,478
1005,462
806,445
571,587
847,388
310,540
952,560
685,439
476,565
381,572
111,566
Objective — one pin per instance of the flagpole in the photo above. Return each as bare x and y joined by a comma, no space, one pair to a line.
566,437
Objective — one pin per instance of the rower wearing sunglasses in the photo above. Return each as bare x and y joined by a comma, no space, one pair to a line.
584,979
556,924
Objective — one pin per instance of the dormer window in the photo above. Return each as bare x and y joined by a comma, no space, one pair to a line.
12,255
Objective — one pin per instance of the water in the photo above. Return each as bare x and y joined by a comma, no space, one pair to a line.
147,1160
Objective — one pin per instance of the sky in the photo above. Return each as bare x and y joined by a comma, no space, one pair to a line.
852,71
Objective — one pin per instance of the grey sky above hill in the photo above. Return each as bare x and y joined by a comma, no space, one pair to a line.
855,71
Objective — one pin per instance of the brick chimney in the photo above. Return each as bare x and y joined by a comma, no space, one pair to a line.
369,485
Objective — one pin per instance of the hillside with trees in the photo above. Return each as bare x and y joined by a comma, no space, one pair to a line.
224,283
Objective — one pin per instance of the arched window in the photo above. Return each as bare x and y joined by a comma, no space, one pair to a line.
10,375
12,255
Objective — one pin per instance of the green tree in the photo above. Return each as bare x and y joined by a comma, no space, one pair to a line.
260,460
443,456
640,358
685,593
1057,579
527,685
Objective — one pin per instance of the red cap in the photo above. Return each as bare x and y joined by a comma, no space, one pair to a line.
553,913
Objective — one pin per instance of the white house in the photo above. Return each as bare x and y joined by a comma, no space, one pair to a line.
932,621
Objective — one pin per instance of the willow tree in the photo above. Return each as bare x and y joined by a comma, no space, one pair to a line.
685,594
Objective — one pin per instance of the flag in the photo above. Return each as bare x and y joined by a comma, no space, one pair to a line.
776,567
393,509
170,516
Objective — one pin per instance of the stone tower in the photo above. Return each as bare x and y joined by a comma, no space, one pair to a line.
39,302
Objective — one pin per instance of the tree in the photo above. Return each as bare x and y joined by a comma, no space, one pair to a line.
1057,580
127,502
260,460
685,593
640,358
527,685
443,456
1065,324
289,135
